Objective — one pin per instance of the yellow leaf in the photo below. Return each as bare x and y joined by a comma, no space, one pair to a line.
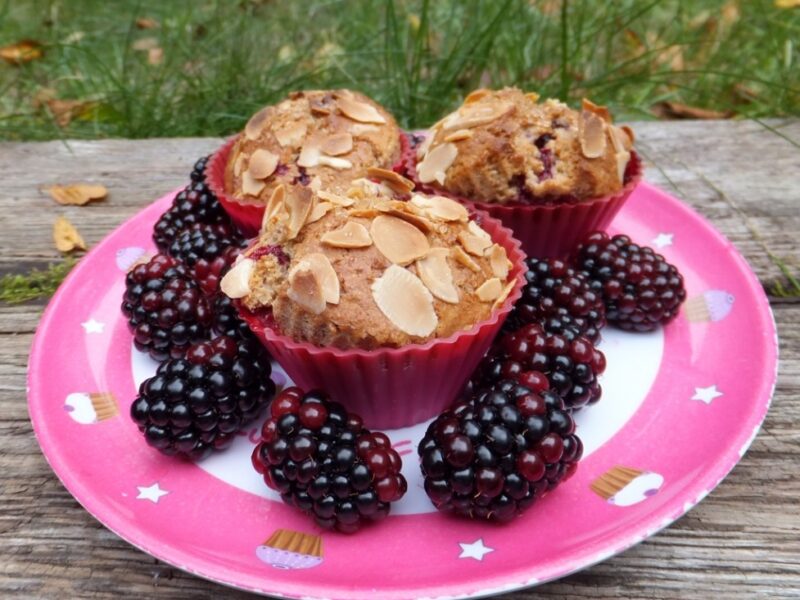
145,44
676,110
787,3
21,52
78,194
146,23
155,56
66,110
66,237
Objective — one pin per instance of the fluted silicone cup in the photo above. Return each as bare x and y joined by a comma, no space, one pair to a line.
545,231
248,215
395,387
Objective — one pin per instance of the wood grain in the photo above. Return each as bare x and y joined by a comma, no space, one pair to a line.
743,541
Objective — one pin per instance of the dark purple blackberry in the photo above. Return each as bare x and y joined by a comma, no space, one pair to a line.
166,310
208,251
199,170
560,299
640,289
192,205
570,366
323,461
495,455
227,321
196,404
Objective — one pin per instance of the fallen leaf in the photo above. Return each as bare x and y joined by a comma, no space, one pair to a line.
66,110
787,3
155,56
41,97
145,44
78,194
676,110
74,37
21,52
66,236
147,23
744,94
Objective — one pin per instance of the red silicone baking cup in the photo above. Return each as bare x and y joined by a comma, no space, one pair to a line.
550,231
248,215
395,387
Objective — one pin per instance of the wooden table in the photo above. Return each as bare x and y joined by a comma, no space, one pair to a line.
743,541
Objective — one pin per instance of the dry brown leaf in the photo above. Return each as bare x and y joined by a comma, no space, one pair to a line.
787,3
145,44
147,23
21,52
66,236
78,194
155,56
65,110
676,110
41,97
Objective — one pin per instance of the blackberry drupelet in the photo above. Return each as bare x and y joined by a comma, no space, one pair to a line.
560,299
494,455
199,169
196,404
570,366
227,321
166,310
192,205
640,289
323,461
208,251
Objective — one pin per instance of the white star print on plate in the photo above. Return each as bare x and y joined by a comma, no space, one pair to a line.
93,326
152,493
662,239
706,394
474,550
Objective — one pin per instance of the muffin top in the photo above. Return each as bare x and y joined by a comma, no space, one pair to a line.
362,269
320,139
505,146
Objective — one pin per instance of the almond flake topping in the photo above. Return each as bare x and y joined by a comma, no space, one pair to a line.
395,181
319,210
464,258
334,162
436,162
476,229
236,283
490,290
440,207
600,111
276,208
315,184
476,95
398,240
358,129
309,154
473,244
262,164
422,149
298,202
335,198
359,111
237,165
250,185
252,130
499,262
292,135
592,134
457,136
473,115
437,275
532,96
321,266
305,289
351,235
622,159
503,295
405,301
336,144
416,220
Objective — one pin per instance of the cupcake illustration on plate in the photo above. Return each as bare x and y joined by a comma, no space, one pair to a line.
713,305
287,549
126,258
91,408
623,486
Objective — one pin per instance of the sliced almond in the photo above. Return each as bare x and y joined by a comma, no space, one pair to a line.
405,301
275,206
476,95
592,135
435,164
255,125
503,295
532,96
600,111
324,272
320,106
395,181
238,164
351,235
236,283
437,275
319,210
476,229
66,237
473,244
358,129
398,240
498,260
335,198
473,115
250,185
365,213
465,259
316,183
359,111
292,135
422,149
298,202
629,132
334,162
440,207
77,194
460,134
309,154
306,289
489,290
262,164
622,159
416,220
336,144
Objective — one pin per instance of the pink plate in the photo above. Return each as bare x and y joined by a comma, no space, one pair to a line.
680,408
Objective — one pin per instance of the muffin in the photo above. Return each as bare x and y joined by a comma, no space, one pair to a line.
317,139
374,298
550,173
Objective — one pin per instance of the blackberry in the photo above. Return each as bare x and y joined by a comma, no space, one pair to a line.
640,289
166,310
199,170
494,455
208,251
529,355
196,404
227,321
195,204
560,299
323,461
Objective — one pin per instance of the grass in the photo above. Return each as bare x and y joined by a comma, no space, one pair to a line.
17,288
223,60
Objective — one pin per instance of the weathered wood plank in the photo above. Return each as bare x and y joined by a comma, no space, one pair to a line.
741,542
